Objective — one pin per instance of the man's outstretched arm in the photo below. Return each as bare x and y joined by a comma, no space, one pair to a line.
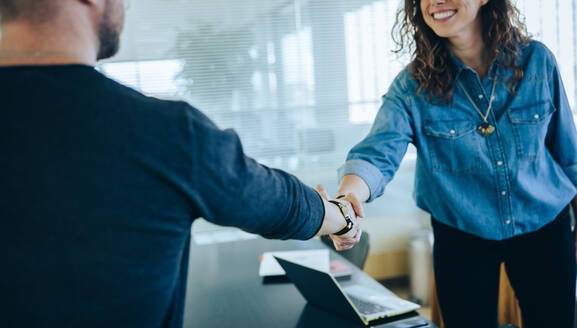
232,189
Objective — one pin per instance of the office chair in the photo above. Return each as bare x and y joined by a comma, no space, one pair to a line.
356,255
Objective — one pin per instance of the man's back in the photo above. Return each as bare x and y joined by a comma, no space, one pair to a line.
98,189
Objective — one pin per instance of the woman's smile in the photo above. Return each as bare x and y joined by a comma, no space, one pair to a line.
443,15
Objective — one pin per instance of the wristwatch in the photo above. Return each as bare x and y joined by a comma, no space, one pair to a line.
345,213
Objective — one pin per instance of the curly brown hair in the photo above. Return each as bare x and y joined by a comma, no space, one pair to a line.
503,33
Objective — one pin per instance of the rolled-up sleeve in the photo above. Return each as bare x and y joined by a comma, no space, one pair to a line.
366,171
562,135
377,157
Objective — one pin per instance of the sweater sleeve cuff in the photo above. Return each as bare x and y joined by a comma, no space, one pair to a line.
313,224
322,217
366,171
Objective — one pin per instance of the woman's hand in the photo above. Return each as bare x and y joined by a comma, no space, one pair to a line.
348,240
354,200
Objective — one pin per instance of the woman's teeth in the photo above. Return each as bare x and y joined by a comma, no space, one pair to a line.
444,14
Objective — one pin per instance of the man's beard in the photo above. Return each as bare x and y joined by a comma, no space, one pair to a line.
108,34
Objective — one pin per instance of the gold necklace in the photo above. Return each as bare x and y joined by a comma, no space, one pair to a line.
485,129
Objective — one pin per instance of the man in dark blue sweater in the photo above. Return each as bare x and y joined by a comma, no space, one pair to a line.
99,184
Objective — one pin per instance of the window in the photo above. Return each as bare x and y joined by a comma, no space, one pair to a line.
155,77
371,65
553,23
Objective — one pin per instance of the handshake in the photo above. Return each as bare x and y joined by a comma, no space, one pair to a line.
340,213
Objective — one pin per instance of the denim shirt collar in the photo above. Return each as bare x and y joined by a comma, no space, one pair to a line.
460,67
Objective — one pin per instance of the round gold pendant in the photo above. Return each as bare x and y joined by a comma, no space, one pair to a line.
486,129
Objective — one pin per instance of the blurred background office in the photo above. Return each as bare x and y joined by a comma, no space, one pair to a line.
300,81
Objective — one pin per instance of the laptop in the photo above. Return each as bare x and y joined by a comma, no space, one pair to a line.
355,302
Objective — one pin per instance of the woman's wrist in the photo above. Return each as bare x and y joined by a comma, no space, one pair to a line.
355,185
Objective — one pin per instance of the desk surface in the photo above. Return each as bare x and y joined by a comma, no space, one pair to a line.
225,290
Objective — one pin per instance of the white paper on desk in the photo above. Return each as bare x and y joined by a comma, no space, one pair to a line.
314,258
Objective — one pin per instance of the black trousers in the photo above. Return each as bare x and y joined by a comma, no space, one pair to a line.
540,266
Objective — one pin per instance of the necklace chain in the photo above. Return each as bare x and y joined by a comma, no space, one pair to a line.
486,115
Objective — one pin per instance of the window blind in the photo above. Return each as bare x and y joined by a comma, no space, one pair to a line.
300,81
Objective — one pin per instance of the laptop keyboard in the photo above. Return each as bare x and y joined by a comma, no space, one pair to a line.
367,308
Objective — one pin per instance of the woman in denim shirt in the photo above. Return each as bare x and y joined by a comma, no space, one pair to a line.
497,159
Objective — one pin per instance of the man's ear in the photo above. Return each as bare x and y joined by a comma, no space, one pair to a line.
484,2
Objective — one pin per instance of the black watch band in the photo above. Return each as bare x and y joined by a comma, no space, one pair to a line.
345,213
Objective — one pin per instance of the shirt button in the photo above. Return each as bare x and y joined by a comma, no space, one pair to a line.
508,222
536,116
452,132
480,96
504,193
499,163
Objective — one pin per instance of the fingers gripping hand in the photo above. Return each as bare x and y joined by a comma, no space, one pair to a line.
354,201
348,240
341,243
351,238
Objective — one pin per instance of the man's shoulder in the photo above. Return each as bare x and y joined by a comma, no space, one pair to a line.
134,102
124,94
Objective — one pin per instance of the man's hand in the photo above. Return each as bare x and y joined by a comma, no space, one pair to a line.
348,240
351,238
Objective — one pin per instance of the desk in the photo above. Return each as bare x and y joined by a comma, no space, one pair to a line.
224,289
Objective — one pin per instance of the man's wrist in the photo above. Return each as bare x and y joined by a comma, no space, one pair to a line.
345,213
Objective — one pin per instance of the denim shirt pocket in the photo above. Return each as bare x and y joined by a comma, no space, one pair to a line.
530,124
453,145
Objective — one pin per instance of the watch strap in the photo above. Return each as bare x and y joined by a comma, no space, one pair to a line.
345,213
